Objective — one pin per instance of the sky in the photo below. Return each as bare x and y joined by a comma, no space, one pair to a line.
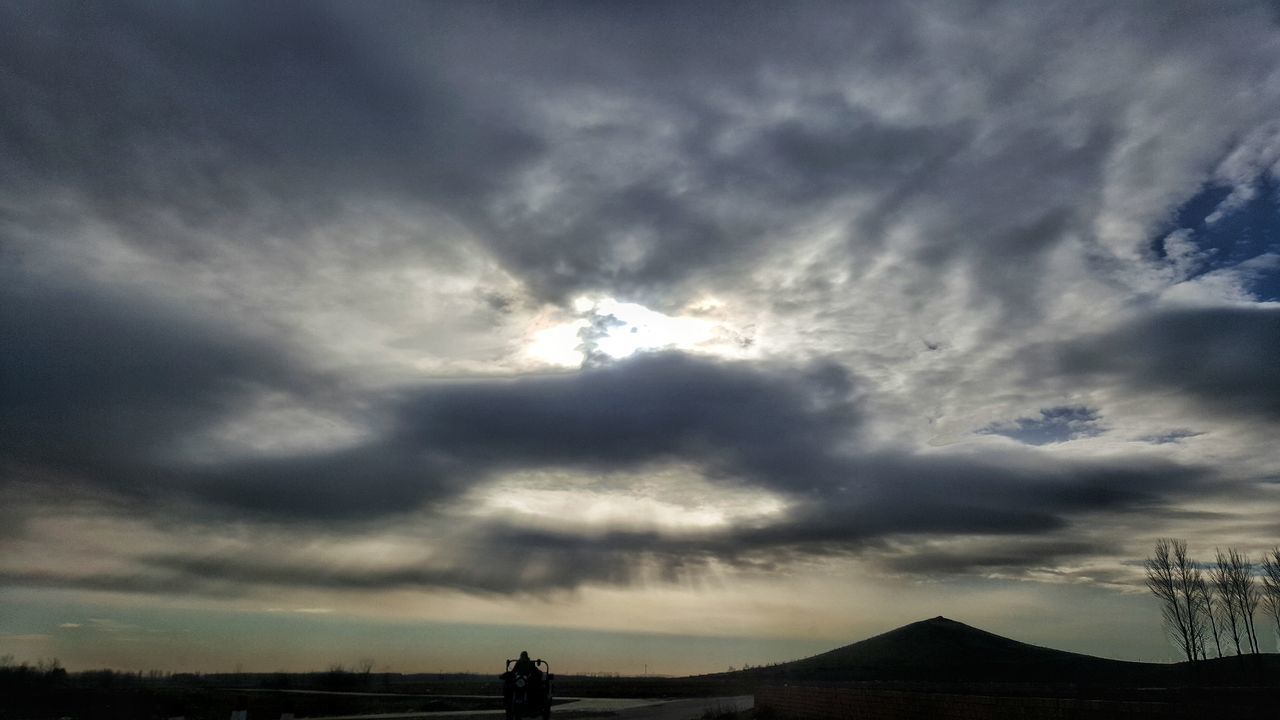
643,336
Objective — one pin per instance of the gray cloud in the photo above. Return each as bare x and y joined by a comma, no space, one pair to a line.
233,117
775,426
1000,556
144,109
103,386
978,174
493,569
883,501
1172,436
106,389
792,430
1222,358
361,483
940,495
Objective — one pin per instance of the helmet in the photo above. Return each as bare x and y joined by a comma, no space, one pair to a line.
524,654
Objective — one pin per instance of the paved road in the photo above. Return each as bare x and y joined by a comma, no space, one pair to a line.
681,709
613,708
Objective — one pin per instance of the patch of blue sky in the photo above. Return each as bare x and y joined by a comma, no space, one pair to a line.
1231,229
1054,425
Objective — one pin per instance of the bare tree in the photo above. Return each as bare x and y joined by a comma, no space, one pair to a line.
1212,607
1174,579
1189,580
1271,584
1245,593
1220,575
1160,581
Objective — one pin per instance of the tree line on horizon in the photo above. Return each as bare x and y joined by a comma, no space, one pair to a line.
1213,607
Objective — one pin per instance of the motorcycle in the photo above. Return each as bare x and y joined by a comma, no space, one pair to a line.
527,693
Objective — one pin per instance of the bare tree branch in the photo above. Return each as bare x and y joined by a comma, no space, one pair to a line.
1220,575
1211,610
1271,584
1245,593
1173,580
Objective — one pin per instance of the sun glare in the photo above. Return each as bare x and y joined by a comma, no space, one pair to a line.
558,344
606,326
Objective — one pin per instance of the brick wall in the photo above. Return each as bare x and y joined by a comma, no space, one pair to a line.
844,703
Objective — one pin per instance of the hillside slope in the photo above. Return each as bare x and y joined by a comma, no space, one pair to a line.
944,650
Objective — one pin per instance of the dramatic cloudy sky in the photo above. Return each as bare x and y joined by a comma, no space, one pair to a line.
685,334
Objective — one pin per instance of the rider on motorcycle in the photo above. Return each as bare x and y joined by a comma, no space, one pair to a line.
526,690
528,668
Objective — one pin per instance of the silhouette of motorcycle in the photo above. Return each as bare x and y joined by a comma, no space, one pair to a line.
527,694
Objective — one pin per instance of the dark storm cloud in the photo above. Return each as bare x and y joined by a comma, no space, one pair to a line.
839,149
731,204
883,501
262,120
232,113
496,560
258,122
103,386
783,175
1001,556
734,184
1222,358
780,427
366,482
889,495
492,569
109,390
777,427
